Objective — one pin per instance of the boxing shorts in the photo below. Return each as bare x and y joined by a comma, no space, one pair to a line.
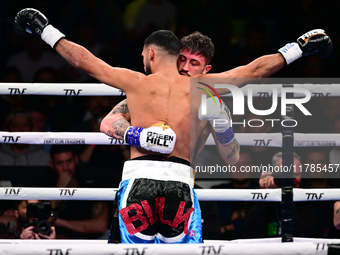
157,203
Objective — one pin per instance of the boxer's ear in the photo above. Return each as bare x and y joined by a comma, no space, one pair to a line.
151,54
206,69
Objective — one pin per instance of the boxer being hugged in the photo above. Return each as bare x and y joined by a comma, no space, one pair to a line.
156,199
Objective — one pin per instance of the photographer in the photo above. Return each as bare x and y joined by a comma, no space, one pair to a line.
26,227
263,219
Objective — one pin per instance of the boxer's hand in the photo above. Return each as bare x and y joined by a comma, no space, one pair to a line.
313,42
158,138
219,118
34,22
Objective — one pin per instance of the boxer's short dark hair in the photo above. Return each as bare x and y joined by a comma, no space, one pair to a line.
164,39
200,44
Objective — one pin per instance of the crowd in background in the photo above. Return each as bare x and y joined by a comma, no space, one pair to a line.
114,31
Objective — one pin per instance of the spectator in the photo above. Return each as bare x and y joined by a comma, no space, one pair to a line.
9,102
263,219
79,219
36,56
232,212
315,165
18,154
55,106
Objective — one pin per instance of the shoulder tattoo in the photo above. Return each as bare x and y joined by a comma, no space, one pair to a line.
122,107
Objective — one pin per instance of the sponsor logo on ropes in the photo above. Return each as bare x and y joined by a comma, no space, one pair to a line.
211,249
135,251
152,217
16,91
238,103
64,141
11,139
72,92
320,94
314,196
315,143
12,191
58,251
257,196
115,141
262,142
67,192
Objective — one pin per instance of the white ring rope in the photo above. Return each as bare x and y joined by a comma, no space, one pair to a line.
101,89
245,139
272,246
108,194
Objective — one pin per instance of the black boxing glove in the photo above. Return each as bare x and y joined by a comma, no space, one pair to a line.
313,42
34,22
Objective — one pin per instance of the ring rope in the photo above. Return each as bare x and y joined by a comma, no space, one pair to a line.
245,139
108,194
100,247
101,89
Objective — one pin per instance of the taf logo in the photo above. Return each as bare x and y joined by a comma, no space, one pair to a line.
115,141
257,196
67,192
16,91
72,92
135,251
10,139
262,142
58,252
314,196
12,191
210,249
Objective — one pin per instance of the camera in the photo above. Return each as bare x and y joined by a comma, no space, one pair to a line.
40,212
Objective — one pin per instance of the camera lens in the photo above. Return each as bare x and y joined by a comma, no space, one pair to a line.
43,227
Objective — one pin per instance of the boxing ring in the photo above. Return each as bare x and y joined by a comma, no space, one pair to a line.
97,247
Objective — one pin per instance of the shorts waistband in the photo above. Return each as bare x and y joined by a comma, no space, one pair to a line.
162,158
158,170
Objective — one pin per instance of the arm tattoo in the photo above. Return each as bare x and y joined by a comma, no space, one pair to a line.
109,133
122,107
120,126
235,148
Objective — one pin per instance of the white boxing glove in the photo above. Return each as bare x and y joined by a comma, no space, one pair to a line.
158,138
219,118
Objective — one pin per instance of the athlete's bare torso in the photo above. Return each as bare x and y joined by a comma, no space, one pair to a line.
166,99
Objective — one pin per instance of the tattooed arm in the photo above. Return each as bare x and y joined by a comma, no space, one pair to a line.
230,153
117,121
